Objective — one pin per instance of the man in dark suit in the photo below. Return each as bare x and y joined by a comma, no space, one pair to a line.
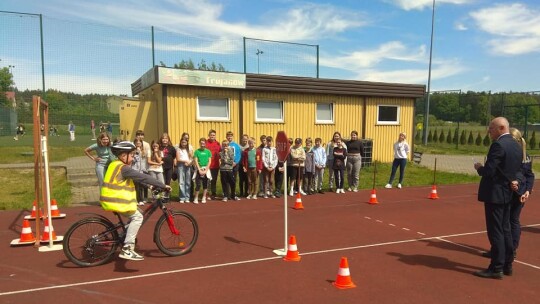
501,168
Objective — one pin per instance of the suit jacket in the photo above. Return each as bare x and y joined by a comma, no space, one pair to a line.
502,166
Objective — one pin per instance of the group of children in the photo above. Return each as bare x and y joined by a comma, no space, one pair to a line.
258,169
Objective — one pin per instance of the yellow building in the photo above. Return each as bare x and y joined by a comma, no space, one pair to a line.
177,101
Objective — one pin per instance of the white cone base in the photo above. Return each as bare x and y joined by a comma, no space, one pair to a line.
17,242
50,248
280,252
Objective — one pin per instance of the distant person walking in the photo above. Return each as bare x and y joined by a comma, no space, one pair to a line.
19,132
71,129
93,129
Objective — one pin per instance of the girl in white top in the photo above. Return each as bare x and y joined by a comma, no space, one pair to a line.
184,161
401,154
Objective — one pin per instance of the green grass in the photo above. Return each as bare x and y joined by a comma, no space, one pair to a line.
17,191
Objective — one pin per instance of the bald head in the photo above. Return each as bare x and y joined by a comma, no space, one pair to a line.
497,127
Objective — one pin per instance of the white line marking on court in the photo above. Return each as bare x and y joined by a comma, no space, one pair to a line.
367,217
406,229
392,225
421,233
378,221
252,261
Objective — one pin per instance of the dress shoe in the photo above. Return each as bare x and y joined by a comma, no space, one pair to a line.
489,274
508,271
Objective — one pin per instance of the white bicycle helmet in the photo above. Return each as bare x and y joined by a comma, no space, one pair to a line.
122,146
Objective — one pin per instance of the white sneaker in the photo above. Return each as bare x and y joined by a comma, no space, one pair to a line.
355,190
265,196
182,201
388,186
224,199
337,191
302,192
248,197
203,200
129,254
196,201
254,197
342,190
399,186
140,203
349,189
291,193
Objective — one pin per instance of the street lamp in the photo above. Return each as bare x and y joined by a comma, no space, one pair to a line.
259,52
426,114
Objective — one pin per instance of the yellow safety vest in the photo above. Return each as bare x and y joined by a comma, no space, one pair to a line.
117,193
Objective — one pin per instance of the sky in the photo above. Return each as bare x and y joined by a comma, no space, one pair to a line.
478,45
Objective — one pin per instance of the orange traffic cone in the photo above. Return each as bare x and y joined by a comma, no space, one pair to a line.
34,213
298,204
292,250
344,280
55,212
27,237
373,198
45,236
433,194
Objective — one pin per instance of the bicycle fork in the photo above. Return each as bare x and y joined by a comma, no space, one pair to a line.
170,222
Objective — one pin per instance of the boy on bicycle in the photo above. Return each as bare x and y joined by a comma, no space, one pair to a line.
118,194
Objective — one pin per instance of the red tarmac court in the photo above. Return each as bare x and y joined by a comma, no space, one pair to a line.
406,249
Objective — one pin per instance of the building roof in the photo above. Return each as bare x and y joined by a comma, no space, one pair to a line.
274,83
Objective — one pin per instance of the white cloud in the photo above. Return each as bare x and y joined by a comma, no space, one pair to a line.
439,70
460,26
422,4
203,17
393,50
515,27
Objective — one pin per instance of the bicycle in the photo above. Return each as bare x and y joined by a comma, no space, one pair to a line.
93,241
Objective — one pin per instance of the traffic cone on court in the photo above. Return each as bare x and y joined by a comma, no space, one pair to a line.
433,194
343,280
27,237
298,204
35,214
373,198
55,212
45,236
292,251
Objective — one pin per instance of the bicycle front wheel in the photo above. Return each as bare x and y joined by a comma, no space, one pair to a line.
177,237
91,242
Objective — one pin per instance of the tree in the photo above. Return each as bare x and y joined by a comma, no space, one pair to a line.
449,137
487,140
456,136
202,65
6,85
430,137
478,139
470,140
441,137
462,139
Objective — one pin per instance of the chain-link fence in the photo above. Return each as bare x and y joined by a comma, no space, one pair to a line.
460,118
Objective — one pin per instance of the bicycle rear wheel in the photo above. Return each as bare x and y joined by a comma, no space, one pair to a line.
173,244
91,242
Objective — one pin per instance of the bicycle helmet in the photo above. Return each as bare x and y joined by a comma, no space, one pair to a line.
122,146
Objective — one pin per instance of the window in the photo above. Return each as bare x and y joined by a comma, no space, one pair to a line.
387,115
269,111
325,113
213,109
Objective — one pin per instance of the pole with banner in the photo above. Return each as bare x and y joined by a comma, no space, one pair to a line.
283,148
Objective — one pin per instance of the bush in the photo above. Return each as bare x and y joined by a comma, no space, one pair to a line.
441,137
435,136
430,137
478,139
470,140
449,137
456,135
487,140
462,139
418,136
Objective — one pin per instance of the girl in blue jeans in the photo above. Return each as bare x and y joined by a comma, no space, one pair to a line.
401,153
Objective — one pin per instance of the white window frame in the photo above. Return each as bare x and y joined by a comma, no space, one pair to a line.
276,120
209,118
385,122
323,121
